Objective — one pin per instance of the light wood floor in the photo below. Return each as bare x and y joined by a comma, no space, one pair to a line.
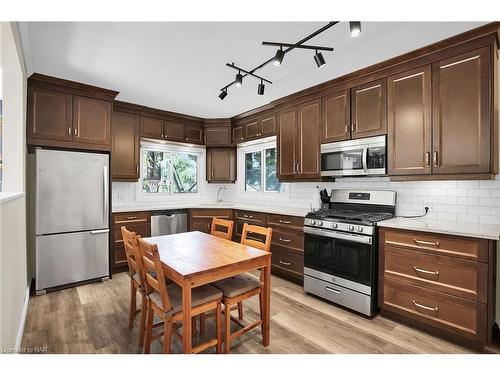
94,319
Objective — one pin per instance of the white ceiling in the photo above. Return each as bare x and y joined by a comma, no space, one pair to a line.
180,67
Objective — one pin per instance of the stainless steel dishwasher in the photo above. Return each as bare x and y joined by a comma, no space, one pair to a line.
168,222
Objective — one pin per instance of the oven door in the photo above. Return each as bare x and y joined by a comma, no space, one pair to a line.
349,258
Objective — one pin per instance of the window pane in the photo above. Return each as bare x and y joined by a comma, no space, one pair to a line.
253,171
156,172
272,183
184,173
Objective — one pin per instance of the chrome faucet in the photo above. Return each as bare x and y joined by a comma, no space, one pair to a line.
219,200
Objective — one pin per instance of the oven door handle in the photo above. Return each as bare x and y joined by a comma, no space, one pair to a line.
339,235
365,157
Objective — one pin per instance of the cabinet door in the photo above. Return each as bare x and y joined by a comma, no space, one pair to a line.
151,127
462,113
50,114
287,129
221,165
409,122
368,110
91,120
308,147
173,131
125,146
201,225
194,134
336,117
218,136
238,134
268,126
252,129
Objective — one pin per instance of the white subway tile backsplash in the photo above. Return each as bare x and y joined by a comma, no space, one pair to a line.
478,193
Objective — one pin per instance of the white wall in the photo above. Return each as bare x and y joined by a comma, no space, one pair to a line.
13,267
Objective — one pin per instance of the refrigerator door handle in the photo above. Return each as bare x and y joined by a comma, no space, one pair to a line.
105,193
99,231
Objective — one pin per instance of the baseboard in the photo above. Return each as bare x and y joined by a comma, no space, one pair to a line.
24,312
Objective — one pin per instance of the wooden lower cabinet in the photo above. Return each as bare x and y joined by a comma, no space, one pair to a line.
439,283
200,219
138,222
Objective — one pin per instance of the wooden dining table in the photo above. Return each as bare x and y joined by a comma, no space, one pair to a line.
192,259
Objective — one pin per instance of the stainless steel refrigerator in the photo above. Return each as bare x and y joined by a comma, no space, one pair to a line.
72,217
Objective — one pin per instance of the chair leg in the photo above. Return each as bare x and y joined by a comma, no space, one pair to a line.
149,328
227,333
144,309
202,324
261,308
167,337
218,328
133,295
240,310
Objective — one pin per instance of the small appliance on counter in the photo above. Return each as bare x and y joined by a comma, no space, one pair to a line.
341,250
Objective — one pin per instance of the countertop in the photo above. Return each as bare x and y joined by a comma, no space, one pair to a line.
487,231
293,211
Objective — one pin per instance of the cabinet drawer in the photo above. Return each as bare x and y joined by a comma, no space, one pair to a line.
440,310
462,247
288,238
288,260
251,216
459,277
130,217
141,229
204,213
286,220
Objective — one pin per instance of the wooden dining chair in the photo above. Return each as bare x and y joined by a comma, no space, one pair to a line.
136,282
165,300
238,288
218,224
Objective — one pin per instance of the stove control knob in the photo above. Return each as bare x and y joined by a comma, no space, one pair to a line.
320,223
313,222
334,225
360,229
351,228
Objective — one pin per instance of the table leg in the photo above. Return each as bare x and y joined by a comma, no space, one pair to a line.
186,310
267,303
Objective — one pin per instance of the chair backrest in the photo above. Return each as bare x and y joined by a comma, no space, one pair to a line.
266,233
132,252
153,272
221,223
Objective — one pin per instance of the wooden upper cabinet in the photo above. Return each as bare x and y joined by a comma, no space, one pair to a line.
336,117
91,120
221,165
237,132
151,127
193,134
125,146
368,110
268,126
173,131
308,147
462,114
409,122
218,136
287,134
50,114
252,129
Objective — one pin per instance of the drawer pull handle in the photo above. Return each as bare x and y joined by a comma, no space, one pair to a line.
284,262
420,270
131,217
285,240
248,216
428,243
331,290
285,222
416,304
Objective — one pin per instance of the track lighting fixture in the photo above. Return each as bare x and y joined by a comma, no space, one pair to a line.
239,79
320,61
223,94
278,58
261,88
355,27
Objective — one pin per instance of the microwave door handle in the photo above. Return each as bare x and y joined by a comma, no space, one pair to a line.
365,157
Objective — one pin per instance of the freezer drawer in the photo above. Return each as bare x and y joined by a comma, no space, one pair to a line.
71,257
168,222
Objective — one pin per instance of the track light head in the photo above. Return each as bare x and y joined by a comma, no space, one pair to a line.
239,79
278,58
223,94
320,61
261,88
355,27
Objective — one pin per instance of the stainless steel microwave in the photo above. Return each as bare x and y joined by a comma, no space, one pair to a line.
357,157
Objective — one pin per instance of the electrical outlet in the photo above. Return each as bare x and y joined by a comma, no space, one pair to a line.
429,204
